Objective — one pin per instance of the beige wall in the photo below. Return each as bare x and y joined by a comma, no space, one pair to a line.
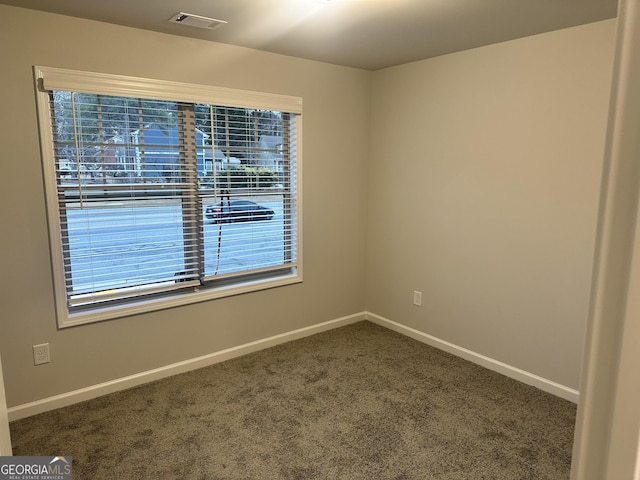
484,180
336,112
472,177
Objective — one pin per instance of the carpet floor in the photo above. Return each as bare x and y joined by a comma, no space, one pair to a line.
358,402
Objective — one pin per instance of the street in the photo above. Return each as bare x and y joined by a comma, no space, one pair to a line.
114,247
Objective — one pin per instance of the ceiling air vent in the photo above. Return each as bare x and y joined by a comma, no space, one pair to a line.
196,21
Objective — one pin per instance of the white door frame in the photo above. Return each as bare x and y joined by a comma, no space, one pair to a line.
5,438
608,423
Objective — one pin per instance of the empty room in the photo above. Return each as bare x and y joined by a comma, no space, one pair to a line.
317,239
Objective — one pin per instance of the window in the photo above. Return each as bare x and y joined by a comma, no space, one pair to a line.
161,194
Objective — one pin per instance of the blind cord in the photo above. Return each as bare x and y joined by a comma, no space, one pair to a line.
77,146
225,193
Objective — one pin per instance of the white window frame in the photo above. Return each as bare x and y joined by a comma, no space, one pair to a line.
49,78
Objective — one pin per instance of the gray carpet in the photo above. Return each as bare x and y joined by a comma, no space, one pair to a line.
358,402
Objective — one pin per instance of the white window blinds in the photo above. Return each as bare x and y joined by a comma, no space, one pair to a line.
158,198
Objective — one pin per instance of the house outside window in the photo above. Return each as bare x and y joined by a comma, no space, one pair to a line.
159,195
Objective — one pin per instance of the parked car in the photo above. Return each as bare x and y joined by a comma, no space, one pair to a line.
237,211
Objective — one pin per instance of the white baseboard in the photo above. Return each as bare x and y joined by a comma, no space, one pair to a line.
94,391
489,363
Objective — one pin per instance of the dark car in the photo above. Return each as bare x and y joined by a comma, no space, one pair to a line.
237,211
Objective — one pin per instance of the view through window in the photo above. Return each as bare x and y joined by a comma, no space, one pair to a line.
157,198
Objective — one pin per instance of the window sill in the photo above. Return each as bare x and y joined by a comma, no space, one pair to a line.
154,304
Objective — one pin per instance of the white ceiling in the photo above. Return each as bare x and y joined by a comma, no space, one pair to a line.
369,34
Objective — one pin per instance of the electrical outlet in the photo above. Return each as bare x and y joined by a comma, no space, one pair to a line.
417,298
41,354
